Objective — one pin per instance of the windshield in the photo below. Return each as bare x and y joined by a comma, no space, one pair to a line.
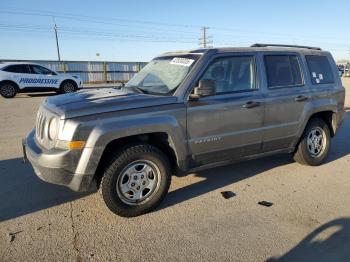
163,74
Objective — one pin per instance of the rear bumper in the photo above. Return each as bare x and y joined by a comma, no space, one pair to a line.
55,166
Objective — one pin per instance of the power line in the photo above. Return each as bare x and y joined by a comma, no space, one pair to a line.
119,35
102,20
50,13
92,19
100,36
154,31
122,33
87,19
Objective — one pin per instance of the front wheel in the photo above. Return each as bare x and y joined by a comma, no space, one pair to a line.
136,181
314,144
68,87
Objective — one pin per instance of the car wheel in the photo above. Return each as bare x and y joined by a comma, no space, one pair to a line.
136,181
8,90
67,87
314,144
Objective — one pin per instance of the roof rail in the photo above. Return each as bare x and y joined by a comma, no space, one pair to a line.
296,46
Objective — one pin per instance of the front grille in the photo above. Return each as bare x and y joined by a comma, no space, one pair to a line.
41,127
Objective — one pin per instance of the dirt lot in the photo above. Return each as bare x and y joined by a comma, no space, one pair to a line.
309,221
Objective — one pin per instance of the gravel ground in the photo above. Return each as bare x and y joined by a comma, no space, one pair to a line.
309,221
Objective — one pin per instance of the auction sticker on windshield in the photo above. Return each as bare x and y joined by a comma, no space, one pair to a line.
182,61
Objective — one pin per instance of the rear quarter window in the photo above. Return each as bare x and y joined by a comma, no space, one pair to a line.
320,69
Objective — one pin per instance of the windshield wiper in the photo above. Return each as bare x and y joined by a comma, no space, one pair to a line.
137,89
119,86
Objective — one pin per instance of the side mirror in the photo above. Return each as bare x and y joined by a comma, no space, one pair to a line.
206,87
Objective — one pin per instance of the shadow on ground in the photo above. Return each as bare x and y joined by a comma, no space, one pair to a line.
22,192
223,176
329,242
30,95
340,146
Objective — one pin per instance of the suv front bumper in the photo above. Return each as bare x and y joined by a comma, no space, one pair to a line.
55,166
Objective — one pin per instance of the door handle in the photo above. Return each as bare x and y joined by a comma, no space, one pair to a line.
301,98
251,104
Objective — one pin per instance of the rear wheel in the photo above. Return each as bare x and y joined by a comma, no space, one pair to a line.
136,181
314,144
67,87
8,90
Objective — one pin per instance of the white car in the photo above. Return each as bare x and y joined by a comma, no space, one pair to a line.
28,77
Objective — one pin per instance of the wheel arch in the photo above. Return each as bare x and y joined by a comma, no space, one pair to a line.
327,115
12,82
160,140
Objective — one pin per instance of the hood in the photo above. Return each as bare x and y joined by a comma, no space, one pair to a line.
95,101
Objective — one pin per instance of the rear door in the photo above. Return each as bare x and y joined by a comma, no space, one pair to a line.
19,73
287,96
228,124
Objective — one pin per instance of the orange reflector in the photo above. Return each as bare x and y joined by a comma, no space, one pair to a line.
76,144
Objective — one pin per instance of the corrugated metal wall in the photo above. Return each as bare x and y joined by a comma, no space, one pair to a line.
92,71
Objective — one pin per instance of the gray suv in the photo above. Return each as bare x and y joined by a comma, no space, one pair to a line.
184,112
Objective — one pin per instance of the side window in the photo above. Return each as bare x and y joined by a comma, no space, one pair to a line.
283,71
232,74
17,69
320,69
40,70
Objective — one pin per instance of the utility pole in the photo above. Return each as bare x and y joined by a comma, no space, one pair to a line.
57,45
205,39
347,66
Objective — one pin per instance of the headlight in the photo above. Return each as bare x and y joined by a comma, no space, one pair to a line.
53,129
65,132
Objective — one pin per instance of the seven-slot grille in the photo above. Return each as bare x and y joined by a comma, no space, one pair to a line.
42,126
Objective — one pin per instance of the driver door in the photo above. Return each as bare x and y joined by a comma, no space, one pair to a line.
229,124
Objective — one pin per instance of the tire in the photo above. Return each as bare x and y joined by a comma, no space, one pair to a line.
315,143
136,181
8,90
68,87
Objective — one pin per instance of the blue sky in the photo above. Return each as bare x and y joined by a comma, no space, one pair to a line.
139,30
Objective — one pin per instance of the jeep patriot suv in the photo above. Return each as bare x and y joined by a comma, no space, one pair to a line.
186,111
